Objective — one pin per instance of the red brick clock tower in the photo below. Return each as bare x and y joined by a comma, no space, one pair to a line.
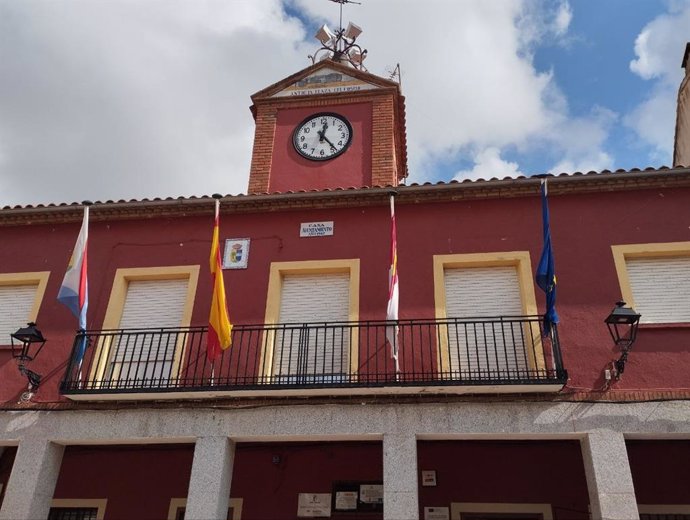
328,126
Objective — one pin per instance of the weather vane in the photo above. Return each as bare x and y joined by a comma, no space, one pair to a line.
340,46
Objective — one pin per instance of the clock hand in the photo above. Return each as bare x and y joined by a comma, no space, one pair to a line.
328,141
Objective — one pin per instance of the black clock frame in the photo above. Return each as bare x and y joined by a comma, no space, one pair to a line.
295,145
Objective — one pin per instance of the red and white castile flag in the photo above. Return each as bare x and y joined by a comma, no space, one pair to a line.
219,326
393,292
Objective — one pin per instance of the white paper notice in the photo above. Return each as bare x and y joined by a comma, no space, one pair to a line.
346,500
371,493
311,505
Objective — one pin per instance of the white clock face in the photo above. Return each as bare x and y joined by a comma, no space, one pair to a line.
322,136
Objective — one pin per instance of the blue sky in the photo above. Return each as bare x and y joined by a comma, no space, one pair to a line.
149,98
594,69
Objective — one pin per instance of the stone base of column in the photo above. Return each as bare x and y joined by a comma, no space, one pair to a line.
32,482
609,480
209,484
400,481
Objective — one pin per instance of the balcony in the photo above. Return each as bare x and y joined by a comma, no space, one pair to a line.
481,355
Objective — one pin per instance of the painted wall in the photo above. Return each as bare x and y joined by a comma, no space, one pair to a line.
271,490
143,479
292,172
660,470
136,480
542,472
147,477
583,228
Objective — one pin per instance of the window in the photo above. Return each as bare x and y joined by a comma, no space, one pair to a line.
20,298
302,298
483,511
655,280
146,298
178,506
77,509
477,294
73,513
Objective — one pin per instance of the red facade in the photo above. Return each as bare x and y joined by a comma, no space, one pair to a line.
587,281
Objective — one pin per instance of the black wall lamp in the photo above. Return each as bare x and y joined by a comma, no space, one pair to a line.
623,323
27,342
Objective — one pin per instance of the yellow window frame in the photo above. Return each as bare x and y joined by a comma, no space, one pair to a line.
518,259
116,305
177,503
37,278
275,285
458,509
621,253
99,503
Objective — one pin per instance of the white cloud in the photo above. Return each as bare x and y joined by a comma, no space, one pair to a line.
467,74
564,15
654,121
659,48
489,164
582,141
127,98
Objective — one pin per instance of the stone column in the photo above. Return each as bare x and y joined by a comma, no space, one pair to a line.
609,480
400,493
32,481
209,485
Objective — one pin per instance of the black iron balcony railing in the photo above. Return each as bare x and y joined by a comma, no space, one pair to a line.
507,350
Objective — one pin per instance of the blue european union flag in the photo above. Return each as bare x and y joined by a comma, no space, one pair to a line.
546,271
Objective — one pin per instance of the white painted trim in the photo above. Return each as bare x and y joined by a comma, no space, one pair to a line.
307,392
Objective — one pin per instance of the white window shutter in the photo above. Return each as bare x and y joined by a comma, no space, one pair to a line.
154,303
483,349
661,288
149,304
16,302
313,352
482,291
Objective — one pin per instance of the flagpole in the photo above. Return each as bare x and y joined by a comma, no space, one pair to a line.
216,216
219,333
546,275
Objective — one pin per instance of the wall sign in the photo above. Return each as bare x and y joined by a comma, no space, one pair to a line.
428,478
346,500
236,254
358,497
324,81
310,505
371,493
316,229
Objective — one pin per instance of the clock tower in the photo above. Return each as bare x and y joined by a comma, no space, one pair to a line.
331,125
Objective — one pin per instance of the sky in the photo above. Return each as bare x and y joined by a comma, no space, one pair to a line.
130,99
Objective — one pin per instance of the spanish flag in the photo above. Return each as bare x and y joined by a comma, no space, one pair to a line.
219,326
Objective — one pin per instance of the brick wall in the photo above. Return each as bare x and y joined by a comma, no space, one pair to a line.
387,158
